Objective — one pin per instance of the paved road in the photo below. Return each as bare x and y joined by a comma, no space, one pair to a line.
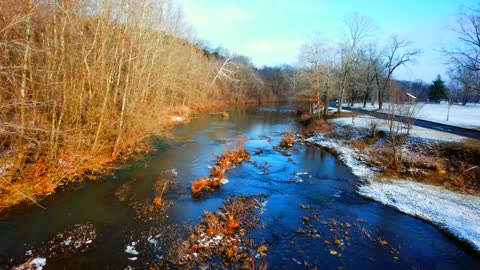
470,133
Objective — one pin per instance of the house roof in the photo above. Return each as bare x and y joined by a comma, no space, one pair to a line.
411,96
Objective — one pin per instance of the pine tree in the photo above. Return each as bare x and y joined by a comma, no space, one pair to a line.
437,90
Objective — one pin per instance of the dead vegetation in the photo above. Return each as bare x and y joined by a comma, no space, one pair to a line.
229,159
84,84
451,165
165,181
149,210
220,240
288,139
342,115
205,183
316,125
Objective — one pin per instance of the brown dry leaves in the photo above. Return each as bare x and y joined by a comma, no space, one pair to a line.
288,139
221,235
228,160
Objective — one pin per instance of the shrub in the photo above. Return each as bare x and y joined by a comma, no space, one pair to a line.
288,139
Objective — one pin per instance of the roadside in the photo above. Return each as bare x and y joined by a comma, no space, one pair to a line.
437,179
458,115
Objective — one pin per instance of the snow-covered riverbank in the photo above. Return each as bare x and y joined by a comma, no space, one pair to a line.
456,213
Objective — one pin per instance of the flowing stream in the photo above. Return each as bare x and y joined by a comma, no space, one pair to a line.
311,201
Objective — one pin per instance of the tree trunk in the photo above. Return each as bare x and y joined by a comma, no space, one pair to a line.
327,98
365,99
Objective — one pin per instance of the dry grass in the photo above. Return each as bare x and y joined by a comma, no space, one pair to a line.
304,117
84,84
359,144
218,172
451,165
222,235
164,183
317,125
205,183
288,139
343,114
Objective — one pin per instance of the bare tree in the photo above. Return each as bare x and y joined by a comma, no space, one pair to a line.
293,78
397,54
466,55
359,28
320,57
400,122
466,80
373,67
83,83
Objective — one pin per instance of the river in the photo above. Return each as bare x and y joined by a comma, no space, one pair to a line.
309,191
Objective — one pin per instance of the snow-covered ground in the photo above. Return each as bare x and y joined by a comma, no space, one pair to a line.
462,116
454,212
457,213
364,121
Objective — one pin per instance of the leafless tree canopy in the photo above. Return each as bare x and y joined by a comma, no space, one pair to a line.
465,57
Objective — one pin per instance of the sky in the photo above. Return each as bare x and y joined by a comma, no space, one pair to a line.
270,32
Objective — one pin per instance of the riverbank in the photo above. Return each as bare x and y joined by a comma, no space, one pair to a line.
425,187
43,178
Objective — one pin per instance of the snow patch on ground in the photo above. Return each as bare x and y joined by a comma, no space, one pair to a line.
177,119
364,121
38,263
460,116
174,172
130,249
457,213
346,154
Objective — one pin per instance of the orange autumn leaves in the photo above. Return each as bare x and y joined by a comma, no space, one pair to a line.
222,236
217,226
228,160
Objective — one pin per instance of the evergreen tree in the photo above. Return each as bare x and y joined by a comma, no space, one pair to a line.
437,90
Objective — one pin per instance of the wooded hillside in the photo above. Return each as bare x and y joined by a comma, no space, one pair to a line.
82,83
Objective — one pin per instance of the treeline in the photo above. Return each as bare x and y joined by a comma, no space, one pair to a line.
358,68
84,82
361,69
464,57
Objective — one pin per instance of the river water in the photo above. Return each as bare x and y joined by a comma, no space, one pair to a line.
373,236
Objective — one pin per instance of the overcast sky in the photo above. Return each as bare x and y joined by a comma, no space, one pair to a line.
271,31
